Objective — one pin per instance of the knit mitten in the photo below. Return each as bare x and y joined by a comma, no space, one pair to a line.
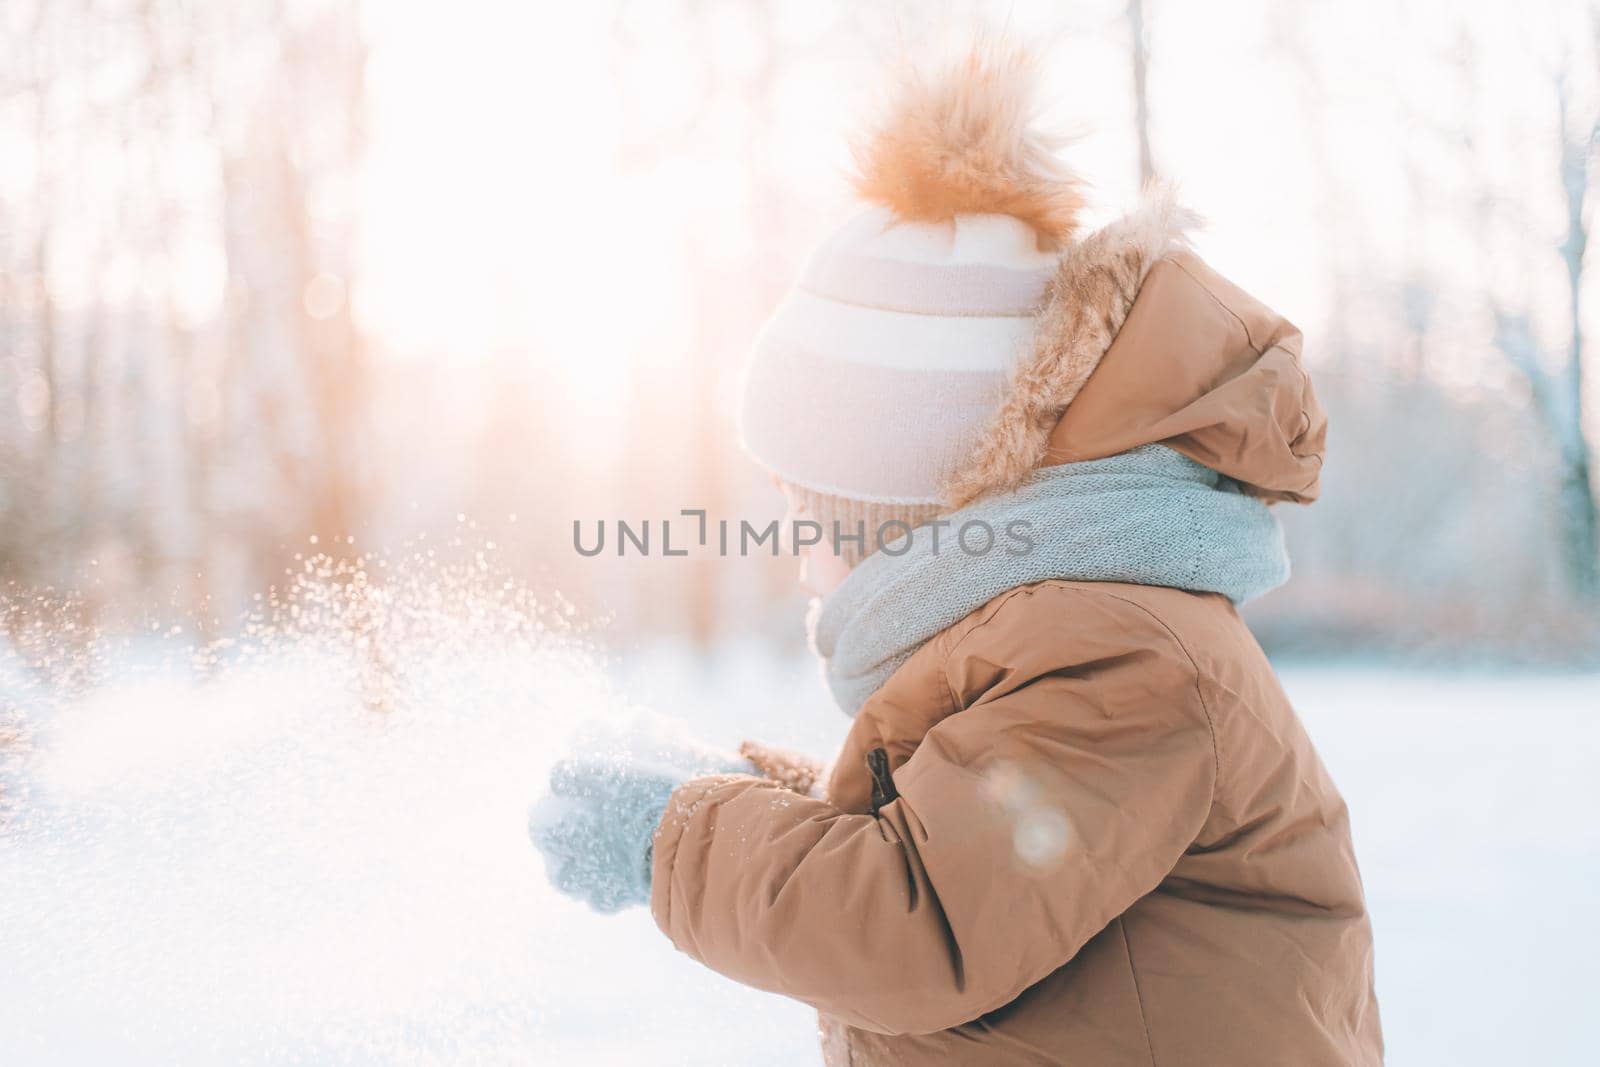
596,824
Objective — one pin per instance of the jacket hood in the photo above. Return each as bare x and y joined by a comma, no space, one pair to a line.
1139,342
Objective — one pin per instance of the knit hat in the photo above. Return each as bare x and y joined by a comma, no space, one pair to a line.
873,377
875,388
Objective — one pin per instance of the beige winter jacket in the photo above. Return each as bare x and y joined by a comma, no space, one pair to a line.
1095,833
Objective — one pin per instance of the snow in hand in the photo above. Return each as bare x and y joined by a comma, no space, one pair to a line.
309,846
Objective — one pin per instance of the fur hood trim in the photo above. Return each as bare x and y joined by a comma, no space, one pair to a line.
1094,287
964,140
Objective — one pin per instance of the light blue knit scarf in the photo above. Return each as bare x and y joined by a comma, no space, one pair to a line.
1150,516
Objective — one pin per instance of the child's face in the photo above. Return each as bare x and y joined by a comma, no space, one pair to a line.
821,569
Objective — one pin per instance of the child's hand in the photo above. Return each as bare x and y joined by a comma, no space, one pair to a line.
792,770
595,825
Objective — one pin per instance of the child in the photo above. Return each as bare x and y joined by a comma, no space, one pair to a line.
1076,820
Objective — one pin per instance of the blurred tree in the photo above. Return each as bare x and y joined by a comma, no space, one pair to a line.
1139,54
175,254
1425,411
695,470
1559,392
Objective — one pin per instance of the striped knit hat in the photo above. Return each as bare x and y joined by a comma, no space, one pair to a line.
874,377
881,372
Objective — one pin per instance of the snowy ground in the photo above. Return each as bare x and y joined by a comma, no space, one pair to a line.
244,865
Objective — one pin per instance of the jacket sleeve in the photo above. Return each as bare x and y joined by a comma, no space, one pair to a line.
1068,788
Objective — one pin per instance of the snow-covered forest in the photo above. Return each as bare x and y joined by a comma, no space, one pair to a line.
275,270
322,322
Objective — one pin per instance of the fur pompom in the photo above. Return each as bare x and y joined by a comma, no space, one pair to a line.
962,141
1094,287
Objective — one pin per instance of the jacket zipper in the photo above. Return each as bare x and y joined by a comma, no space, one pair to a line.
883,790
